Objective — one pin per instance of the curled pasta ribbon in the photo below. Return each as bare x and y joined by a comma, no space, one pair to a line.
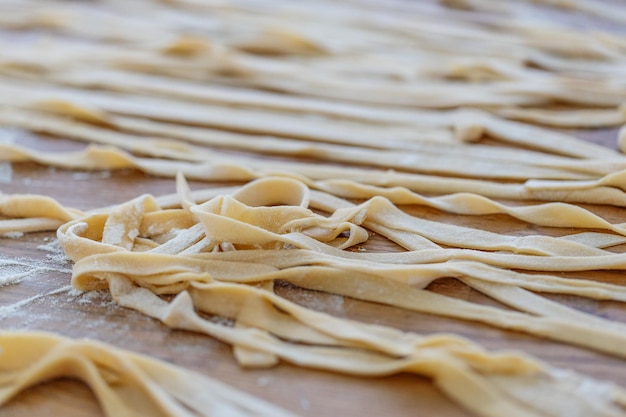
255,240
207,255
123,382
30,213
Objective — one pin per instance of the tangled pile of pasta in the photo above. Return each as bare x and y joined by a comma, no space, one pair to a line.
355,112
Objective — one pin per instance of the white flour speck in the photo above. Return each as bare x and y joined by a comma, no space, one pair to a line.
305,404
263,381
11,309
13,235
55,253
13,272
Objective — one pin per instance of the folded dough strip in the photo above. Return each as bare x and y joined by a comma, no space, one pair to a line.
180,314
123,382
553,322
556,214
285,259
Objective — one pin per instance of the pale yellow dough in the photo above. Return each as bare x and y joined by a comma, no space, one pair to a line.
125,383
117,250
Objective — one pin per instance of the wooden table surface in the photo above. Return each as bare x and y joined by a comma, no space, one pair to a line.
46,302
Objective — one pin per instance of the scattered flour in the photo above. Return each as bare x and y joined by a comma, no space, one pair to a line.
12,271
55,253
263,381
13,235
115,234
97,298
222,321
305,404
329,303
11,309
90,175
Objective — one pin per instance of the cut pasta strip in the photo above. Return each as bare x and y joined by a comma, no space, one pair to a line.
124,383
426,160
527,136
318,268
598,192
180,314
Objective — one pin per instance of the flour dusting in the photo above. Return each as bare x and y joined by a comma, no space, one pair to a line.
12,272
13,235
55,254
11,309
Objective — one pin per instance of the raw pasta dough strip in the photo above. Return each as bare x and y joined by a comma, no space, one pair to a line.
32,205
613,12
180,315
603,191
433,95
423,95
565,325
382,211
465,124
547,214
557,169
264,144
124,383
33,213
446,162
33,224
127,295
535,137
570,118
82,274
579,44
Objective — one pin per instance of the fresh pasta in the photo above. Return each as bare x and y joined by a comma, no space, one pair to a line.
330,122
